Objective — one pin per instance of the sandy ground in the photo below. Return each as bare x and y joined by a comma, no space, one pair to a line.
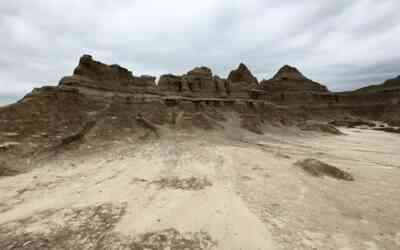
211,191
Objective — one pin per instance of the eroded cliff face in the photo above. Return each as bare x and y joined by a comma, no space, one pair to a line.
115,156
101,85
290,88
101,102
242,74
119,102
290,79
96,75
201,83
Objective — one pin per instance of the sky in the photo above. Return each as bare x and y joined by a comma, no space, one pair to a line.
340,43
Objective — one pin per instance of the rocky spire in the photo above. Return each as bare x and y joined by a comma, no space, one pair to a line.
91,73
289,79
288,72
242,74
98,71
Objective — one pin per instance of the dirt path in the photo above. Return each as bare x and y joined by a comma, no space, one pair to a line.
210,192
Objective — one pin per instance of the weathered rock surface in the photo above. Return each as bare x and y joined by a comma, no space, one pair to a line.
319,169
289,79
5,171
252,123
112,174
389,130
172,83
94,74
351,123
289,73
319,127
198,82
200,79
46,109
98,71
242,74
47,115
393,122
201,83
240,82
8,145
222,86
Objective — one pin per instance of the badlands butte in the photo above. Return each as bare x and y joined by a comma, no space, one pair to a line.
110,160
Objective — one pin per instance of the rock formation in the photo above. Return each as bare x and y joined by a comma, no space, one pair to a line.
242,74
113,97
319,127
172,83
240,82
97,84
101,170
320,169
200,79
290,79
93,74
100,72
201,83
289,73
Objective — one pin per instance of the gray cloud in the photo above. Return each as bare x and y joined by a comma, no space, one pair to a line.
343,44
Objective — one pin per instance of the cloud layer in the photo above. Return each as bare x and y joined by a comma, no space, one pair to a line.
343,44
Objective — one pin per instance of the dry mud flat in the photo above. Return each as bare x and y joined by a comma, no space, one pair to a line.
211,191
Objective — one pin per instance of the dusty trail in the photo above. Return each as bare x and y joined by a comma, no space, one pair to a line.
207,191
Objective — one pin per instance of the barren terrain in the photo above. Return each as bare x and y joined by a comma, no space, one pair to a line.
228,189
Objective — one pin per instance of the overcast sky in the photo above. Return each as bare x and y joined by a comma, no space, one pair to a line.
340,43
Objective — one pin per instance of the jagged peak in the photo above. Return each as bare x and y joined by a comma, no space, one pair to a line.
289,78
96,70
242,66
242,74
288,72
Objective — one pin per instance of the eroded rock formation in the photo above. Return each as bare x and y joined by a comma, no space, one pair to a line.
290,79
242,74
200,79
172,83
93,74
113,97
201,83
320,169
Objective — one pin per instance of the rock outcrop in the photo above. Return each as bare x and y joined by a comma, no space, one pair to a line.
200,79
319,127
240,82
100,72
320,169
351,123
103,103
242,74
94,74
196,99
198,82
289,73
290,79
201,83
172,83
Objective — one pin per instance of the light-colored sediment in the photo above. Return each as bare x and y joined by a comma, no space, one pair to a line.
230,191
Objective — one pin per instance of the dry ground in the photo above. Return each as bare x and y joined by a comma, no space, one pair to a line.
231,190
